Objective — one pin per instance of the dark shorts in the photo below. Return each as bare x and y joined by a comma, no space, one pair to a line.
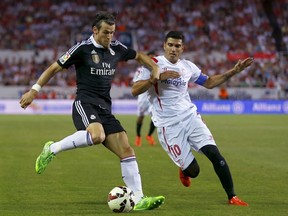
85,113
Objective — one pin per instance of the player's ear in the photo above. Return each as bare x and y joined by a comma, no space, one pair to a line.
95,30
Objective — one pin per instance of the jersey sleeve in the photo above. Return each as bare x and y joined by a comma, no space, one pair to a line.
126,52
197,77
70,57
131,54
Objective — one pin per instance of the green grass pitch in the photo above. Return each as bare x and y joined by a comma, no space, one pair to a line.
77,182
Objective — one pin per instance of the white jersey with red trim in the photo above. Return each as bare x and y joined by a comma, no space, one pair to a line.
170,98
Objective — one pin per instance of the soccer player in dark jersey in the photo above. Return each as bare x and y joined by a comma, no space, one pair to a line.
95,61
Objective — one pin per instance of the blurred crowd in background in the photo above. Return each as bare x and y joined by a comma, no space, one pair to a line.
213,29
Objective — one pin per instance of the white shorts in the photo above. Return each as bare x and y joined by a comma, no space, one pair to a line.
180,139
143,105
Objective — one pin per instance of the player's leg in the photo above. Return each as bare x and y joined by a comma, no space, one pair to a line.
192,170
223,172
118,144
151,128
149,136
82,138
221,168
139,123
89,129
173,140
203,141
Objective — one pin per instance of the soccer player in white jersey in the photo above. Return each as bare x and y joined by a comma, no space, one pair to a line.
179,125
95,61
143,108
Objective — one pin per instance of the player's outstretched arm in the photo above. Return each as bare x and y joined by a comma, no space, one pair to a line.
150,64
141,86
29,96
218,79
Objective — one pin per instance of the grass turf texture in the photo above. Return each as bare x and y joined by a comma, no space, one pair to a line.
77,181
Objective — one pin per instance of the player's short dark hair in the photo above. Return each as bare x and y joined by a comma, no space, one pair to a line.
175,35
104,16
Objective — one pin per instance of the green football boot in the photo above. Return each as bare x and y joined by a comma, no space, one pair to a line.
149,203
44,158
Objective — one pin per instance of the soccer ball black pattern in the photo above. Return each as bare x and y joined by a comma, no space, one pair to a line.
120,199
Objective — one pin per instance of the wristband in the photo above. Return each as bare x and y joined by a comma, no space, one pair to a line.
36,87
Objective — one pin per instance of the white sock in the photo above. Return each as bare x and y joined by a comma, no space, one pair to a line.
77,140
131,176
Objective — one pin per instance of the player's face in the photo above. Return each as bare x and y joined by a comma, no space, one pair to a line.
104,35
173,49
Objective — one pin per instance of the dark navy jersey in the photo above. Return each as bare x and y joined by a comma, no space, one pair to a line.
95,68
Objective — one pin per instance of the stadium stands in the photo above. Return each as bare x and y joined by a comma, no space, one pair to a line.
237,29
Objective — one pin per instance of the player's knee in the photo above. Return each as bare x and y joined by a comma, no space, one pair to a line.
124,152
127,150
213,154
96,132
98,138
192,170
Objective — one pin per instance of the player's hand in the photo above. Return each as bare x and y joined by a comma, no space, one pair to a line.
242,64
169,75
27,98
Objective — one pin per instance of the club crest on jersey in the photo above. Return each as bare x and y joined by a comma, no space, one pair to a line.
95,57
64,58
